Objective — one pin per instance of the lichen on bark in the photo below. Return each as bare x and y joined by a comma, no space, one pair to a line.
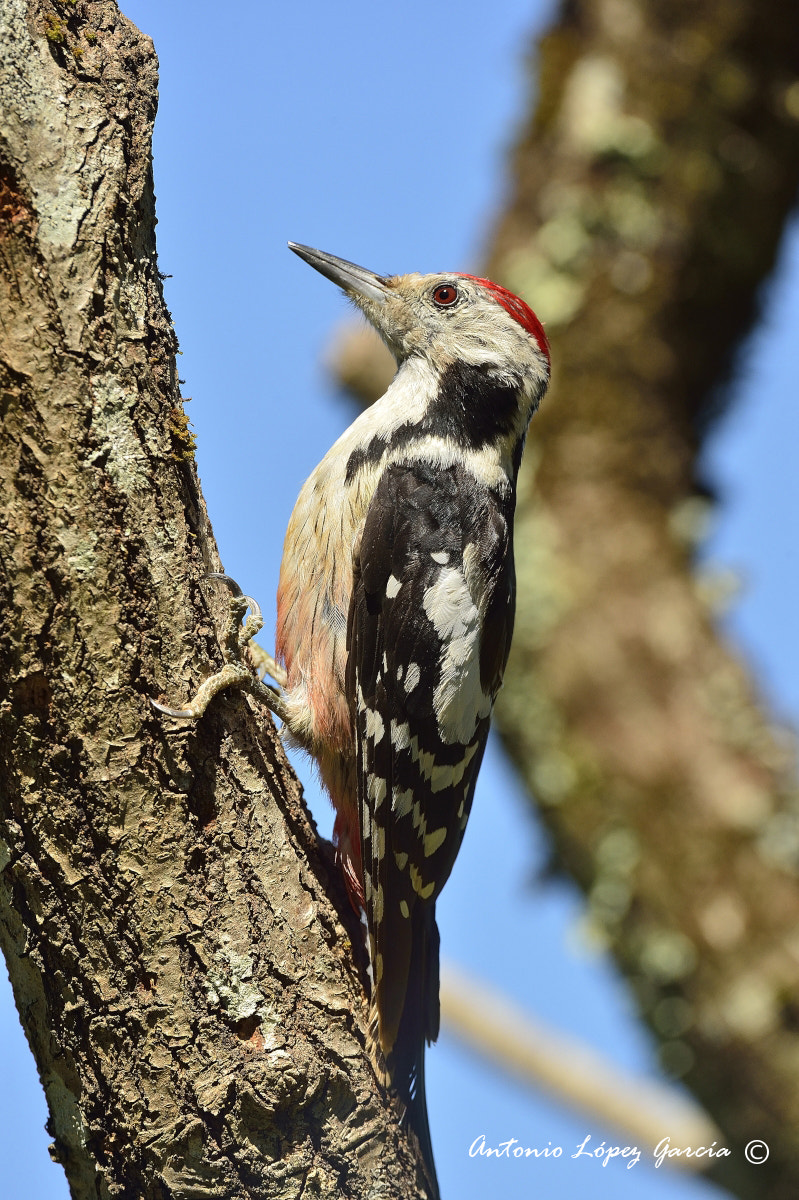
175,936
648,192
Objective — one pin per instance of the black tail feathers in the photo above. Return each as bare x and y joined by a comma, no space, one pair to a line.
416,1117
419,1025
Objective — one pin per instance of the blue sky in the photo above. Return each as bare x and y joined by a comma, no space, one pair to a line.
379,134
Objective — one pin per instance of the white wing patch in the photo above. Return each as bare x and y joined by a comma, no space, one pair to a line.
401,801
459,698
412,677
374,725
439,777
400,734
446,777
376,789
433,840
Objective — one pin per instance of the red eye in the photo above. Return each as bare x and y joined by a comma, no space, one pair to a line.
445,295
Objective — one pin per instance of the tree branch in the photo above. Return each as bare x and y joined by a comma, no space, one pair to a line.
539,1055
172,930
649,192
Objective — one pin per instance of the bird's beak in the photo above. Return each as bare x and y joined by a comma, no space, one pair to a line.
355,281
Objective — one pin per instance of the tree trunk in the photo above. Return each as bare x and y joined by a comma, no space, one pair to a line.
648,196
172,929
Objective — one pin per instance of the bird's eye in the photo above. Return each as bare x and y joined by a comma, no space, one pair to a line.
445,295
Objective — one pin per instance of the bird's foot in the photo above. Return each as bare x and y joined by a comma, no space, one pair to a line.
236,642
264,664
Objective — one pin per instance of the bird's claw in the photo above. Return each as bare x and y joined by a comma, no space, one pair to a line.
235,673
186,714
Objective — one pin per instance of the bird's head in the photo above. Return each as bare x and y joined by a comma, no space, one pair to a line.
447,319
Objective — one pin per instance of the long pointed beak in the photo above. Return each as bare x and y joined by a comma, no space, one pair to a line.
356,281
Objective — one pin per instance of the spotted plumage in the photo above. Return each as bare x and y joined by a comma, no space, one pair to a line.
395,614
433,585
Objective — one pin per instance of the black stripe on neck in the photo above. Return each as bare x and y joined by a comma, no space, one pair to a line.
471,408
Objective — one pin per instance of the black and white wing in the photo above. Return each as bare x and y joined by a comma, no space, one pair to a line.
429,632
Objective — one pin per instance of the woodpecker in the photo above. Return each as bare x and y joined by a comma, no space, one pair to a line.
395,612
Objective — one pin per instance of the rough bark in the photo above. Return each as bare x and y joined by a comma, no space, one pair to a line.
172,931
648,195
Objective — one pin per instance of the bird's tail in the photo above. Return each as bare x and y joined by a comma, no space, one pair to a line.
401,1067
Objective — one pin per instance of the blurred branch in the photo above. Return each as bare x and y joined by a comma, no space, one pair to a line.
648,195
642,1110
